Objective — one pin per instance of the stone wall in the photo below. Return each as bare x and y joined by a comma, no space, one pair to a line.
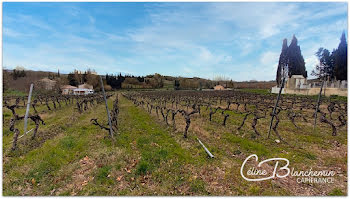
316,91
330,88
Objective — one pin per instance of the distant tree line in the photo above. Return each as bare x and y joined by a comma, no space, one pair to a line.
115,81
18,73
131,81
197,83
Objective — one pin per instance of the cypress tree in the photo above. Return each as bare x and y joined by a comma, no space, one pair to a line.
341,61
283,61
177,84
296,63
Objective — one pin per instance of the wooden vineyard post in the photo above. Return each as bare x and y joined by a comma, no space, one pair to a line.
274,109
28,105
109,117
318,104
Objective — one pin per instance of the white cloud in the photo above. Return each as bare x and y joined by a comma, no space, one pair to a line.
269,58
266,18
310,64
329,11
205,55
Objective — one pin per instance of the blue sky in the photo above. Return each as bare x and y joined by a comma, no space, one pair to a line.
241,41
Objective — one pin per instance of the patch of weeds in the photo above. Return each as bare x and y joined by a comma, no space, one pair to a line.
162,153
123,192
51,162
142,141
5,115
248,145
100,191
311,138
142,168
123,140
293,156
154,157
254,190
336,192
44,169
338,98
108,141
255,90
65,193
68,142
63,127
151,157
332,161
197,186
175,151
117,166
310,156
11,92
11,153
10,192
102,175
6,132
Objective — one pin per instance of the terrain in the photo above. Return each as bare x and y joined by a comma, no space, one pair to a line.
148,156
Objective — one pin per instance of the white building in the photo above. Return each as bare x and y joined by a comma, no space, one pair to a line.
67,89
82,91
